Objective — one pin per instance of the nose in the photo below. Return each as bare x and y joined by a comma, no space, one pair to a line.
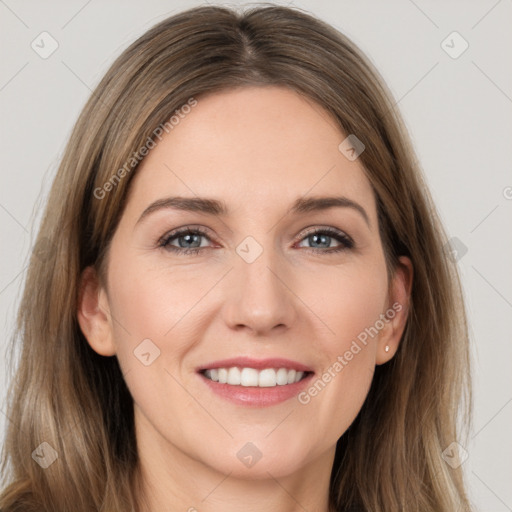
260,297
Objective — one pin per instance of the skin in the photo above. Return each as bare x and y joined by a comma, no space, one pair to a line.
258,149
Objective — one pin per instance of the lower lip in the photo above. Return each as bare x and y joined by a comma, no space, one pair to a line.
256,396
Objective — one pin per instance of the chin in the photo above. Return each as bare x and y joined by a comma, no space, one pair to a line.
254,460
277,467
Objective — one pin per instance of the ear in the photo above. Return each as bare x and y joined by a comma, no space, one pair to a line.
397,310
94,313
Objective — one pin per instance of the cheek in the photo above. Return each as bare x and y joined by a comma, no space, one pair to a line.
351,300
335,398
350,306
337,393
151,303
149,310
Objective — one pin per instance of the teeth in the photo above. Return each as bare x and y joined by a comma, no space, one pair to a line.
248,377
234,376
223,375
282,376
267,378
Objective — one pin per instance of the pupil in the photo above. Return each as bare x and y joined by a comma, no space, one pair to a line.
323,238
188,238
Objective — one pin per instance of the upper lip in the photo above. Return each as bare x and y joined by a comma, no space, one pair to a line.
257,364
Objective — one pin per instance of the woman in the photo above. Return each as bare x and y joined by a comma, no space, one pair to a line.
257,369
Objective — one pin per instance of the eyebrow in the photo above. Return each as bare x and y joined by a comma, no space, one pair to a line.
218,208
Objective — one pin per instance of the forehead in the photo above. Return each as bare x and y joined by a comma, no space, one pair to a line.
254,148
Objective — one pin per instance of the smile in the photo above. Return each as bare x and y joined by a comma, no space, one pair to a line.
265,378
251,382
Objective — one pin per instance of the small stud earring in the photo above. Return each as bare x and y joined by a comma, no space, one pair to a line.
386,348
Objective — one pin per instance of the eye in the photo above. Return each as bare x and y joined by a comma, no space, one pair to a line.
324,236
189,240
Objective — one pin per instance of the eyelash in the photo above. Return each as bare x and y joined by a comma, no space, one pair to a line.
346,242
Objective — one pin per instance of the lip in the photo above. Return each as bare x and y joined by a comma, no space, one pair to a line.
257,364
253,396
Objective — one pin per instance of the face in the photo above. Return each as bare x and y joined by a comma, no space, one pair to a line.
289,309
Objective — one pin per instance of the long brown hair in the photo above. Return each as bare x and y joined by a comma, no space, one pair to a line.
66,395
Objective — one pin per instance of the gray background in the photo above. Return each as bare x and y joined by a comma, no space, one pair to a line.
458,111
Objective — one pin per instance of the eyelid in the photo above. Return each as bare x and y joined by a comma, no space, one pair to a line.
201,230
328,229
